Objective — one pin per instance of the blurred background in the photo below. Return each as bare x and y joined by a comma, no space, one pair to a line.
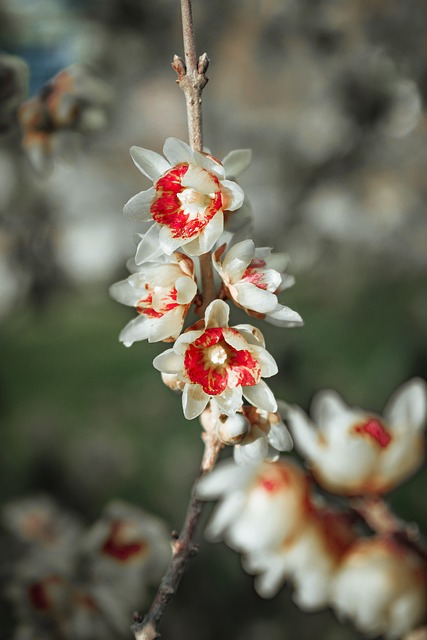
331,98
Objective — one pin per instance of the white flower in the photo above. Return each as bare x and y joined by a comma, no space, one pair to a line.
187,201
220,362
256,434
309,560
262,506
354,452
162,292
381,587
253,277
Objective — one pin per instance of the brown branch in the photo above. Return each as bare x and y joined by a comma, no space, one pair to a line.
379,517
183,549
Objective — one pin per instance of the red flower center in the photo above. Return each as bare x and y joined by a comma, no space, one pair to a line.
119,547
214,364
185,210
375,430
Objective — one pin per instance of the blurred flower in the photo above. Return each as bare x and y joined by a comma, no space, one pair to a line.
252,277
262,506
187,201
256,434
354,452
220,362
310,559
13,88
73,101
162,292
381,587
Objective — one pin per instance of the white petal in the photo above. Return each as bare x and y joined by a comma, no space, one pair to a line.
261,396
284,317
150,163
168,243
138,207
222,480
177,151
277,261
185,339
192,248
217,314
238,258
236,162
252,297
211,165
229,401
211,233
326,405
168,326
279,437
251,334
266,361
194,400
124,293
251,450
136,329
186,289
234,195
407,406
149,247
199,179
303,432
223,515
168,362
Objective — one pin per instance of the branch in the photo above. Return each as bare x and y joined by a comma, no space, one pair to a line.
379,517
183,549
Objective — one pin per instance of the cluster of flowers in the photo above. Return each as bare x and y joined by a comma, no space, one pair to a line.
77,584
270,514
192,199
74,101
268,511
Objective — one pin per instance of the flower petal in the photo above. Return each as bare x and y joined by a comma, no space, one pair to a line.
252,450
217,314
150,163
284,317
407,406
232,194
138,207
261,396
238,258
326,405
168,243
211,233
136,329
229,401
303,432
194,400
252,297
279,437
236,162
177,151
186,289
266,361
168,326
149,247
200,180
168,362
124,293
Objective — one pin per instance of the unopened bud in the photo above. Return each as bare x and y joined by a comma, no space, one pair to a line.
232,429
203,63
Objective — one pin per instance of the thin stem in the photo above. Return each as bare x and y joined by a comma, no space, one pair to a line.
183,550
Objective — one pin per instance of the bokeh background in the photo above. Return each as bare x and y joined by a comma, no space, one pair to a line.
331,97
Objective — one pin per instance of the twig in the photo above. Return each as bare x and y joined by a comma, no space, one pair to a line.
379,517
183,549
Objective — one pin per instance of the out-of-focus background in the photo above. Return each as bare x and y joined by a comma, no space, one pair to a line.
331,98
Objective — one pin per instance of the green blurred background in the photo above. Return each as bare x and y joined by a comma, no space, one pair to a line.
331,98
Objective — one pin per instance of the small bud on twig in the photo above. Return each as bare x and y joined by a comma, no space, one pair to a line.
179,65
203,63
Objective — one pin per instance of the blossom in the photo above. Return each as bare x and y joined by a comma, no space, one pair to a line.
162,292
381,587
261,506
355,452
309,560
187,201
73,101
220,363
256,434
253,277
